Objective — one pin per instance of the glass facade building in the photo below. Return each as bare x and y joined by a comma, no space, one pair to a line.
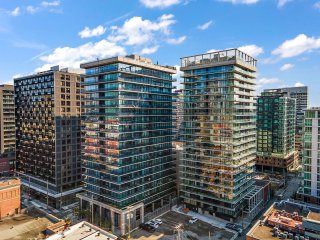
300,94
219,128
127,138
310,192
275,132
48,136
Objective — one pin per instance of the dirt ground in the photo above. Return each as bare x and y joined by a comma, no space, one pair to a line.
197,231
24,227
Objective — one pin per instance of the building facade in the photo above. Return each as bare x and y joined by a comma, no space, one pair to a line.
127,139
48,110
9,197
310,192
7,130
300,94
178,113
275,133
219,129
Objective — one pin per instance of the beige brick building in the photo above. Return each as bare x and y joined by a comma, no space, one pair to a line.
7,129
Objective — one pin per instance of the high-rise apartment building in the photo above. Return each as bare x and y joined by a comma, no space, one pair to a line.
178,112
7,129
127,139
48,120
300,94
219,129
310,192
275,132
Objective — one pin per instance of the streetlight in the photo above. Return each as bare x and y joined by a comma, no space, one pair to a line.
178,228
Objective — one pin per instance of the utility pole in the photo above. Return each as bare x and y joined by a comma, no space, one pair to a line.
92,209
29,191
242,215
60,196
178,229
47,193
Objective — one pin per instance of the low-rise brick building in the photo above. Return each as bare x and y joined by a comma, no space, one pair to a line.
9,197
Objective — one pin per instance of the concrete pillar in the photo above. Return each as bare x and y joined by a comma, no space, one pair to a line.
112,220
123,223
152,207
100,213
142,214
80,203
161,202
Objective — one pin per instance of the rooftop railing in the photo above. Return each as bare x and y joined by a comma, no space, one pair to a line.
219,56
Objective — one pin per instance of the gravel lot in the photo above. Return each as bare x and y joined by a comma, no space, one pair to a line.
23,227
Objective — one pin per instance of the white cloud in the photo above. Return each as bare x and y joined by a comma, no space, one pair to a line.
176,41
159,3
240,1
252,50
73,56
95,32
213,50
17,76
50,4
205,25
286,67
316,5
32,9
135,35
294,47
15,12
149,50
7,82
268,80
137,31
299,84
281,3
265,81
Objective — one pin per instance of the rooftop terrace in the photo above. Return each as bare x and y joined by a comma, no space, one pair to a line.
83,231
219,57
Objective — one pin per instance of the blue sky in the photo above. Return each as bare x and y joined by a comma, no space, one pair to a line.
284,35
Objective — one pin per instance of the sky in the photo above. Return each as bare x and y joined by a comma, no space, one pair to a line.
283,35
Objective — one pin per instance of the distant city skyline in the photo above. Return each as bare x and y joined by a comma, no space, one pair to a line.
282,35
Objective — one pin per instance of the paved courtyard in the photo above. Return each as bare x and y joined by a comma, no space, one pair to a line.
197,231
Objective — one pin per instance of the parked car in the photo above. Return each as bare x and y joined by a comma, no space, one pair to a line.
193,220
154,225
147,227
158,221
234,227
